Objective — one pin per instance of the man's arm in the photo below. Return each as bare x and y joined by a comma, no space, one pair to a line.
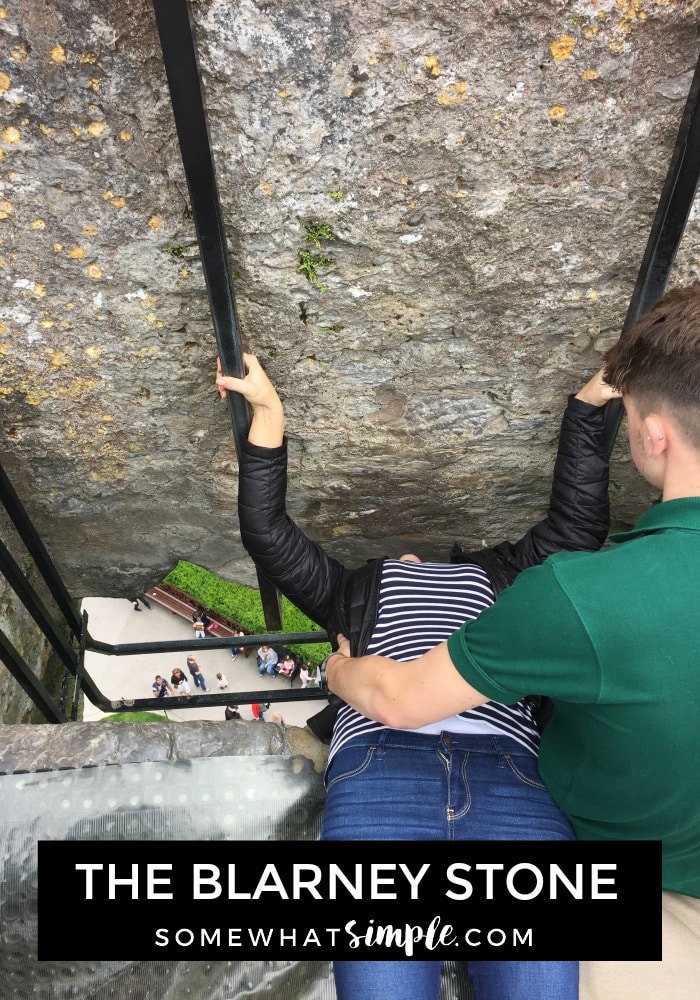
532,639
402,695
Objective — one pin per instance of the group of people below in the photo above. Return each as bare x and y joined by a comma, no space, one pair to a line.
546,689
179,685
270,664
232,713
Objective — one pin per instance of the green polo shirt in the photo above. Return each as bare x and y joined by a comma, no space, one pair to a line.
613,637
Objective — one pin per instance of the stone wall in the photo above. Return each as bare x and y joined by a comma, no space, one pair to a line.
488,173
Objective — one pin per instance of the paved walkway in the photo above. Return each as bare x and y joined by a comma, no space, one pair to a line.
114,620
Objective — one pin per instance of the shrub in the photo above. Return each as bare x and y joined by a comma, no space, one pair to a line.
243,604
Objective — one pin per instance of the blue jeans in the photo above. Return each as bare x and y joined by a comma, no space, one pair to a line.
397,785
199,681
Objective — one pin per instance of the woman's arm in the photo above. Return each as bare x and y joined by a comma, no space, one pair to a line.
578,516
267,424
298,567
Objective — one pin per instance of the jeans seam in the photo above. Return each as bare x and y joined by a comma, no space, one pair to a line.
522,777
358,770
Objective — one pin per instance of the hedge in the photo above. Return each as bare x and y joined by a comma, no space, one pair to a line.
243,604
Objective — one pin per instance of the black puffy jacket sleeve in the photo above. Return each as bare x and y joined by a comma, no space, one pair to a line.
297,566
578,518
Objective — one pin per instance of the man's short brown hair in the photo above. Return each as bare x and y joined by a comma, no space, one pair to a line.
657,360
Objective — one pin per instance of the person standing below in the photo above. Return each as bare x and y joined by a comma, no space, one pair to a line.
179,682
612,638
232,713
258,711
196,672
305,674
267,661
161,688
471,776
221,682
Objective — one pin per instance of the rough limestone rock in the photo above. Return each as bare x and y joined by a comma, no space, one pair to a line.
488,174
97,744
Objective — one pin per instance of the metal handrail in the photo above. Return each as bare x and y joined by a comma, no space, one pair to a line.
184,82
671,217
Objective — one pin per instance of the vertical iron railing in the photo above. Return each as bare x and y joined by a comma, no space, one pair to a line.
184,82
671,217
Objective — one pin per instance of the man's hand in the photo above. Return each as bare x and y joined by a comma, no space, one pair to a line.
343,645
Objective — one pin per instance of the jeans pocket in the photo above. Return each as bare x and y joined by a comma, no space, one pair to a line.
525,769
348,762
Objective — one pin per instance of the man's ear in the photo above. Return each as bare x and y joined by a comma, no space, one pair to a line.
656,432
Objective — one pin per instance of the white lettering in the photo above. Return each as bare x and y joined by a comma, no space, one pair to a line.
152,882
336,874
414,881
270,873
308,884
89,869
598,881
206,875
376,893
258,936
232,894
453,877
133,881
557,875
406,937
497,937
510,881
489,869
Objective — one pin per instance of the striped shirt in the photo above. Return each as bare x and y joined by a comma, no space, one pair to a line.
421,605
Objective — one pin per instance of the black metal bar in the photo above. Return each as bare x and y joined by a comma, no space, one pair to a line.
219,642
184,81
28,680
675,202
18,582
213,700
35,547
80,669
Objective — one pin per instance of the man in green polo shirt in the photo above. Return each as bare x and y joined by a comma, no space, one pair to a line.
613,637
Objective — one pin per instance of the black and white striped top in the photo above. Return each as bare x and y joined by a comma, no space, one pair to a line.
421,605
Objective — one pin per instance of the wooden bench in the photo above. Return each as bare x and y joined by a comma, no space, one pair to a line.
182,604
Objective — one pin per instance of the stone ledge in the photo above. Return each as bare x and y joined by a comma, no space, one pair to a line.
25,748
